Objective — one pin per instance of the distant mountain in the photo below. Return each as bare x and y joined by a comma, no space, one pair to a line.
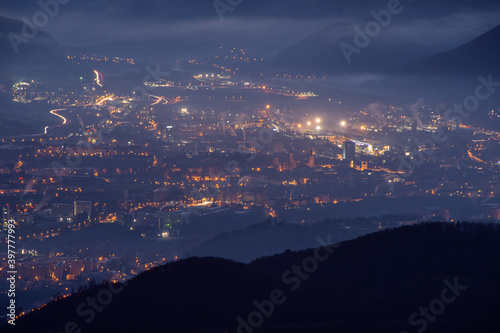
388,53
23,56
322,53
430,277
477,57
269,238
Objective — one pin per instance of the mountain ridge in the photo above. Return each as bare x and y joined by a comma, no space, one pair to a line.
480,55
388,54
26,55
371,284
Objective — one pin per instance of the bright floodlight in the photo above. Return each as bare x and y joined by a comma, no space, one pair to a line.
308,123
318,127
342,123
318,120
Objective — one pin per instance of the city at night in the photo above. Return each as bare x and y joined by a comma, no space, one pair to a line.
277,166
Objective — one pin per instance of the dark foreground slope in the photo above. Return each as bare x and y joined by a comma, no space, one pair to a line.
371,284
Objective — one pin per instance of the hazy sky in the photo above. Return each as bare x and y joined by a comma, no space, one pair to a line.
266,25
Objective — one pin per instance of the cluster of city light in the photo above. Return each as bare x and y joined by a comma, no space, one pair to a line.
318,121
310,123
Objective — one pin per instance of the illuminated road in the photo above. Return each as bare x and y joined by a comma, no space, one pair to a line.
165,100
110,98
98,78
475,158
54,112
159,99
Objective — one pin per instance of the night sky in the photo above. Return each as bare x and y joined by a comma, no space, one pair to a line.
263,25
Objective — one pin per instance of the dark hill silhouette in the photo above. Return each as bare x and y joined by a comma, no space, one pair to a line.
40,55
10,26
479,56
321,53
269,238
388,54
371,284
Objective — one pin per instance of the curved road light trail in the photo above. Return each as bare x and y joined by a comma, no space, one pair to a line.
166,100
54,112
159,99
98,77
104,100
